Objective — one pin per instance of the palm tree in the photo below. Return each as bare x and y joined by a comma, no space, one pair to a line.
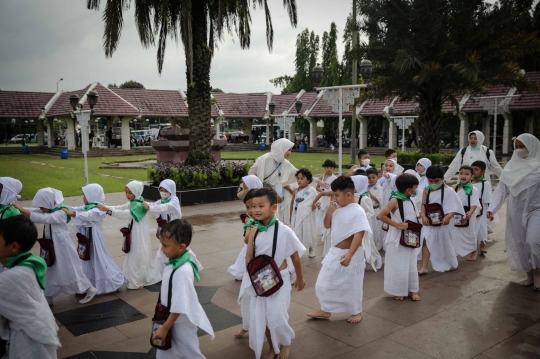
200,25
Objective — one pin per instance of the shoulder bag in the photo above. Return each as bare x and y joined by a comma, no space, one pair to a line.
161,314
435,211
126,231
47,248
410,237
459,220
84,245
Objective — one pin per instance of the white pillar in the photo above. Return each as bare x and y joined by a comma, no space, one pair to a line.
506,132
463,130
126,133
486,129
267,132
217,121
71,134
40,132
392,132
292,131
312,132
50,133
362,133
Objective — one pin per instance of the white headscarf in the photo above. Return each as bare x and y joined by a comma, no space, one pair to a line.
480,137
48,198
426,162
136,188
252,182
522,173
396,166
11,189
94,193
360,185
170,186
414,173
279,148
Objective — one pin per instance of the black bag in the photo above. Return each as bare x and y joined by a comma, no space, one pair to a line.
459,220
481,212
266,184
84,245
161,314
263,271
385,227
161,223
47,248
410,237
435,211
126,231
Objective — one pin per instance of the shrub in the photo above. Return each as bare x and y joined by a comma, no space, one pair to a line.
412,157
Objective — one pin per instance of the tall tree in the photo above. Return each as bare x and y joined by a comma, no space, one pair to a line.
200,25
131,85
330,62
432,51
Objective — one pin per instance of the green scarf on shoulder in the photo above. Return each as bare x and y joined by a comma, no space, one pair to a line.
90,206
399,195
10,211
479,179
165,200
137,209
37,264
181,260
59,208
467,187
260,226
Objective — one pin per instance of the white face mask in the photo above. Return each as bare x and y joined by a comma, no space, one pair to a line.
365,162
522,152
164,194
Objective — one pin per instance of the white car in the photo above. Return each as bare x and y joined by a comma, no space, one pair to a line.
19,139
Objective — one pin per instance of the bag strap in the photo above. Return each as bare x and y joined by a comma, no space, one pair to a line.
275,169
483,184
273,244
402,212
442,196
168,218
50,231
169,296
360,200
130,226
463,150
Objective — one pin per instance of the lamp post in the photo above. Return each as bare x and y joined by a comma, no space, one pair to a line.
83,117
58,83
403,122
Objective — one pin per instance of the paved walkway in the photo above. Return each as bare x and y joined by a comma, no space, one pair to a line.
477,311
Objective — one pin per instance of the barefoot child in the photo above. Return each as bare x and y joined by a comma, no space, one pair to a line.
186,314
484,187
339,285
26,321
138,265
465,242
101,269
269,314
376,194
400,272
303,220
66,275
437,241
328,177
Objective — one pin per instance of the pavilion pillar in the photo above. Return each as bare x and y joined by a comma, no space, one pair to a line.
50,132
71,134
312,132
506,132
416,125
385,126
362,133
463,129
392,133
40,132
217,121
267,140
292,131
126,135
486,129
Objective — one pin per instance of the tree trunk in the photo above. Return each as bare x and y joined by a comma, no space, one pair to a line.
430,125
199,90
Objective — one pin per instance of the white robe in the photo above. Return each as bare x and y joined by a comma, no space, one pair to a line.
138,265
185,342
371,253
471,156
464,238
439,239
303,220
26,321
284,208
66,275
101,269
377,192
522,236
400,271
272,312
482,228
339,288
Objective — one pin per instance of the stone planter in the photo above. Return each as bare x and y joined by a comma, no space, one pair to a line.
195,196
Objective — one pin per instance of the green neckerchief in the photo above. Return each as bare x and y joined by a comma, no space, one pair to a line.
180,260
37,264
365,194
10,211
90,206
422,174
59,208
467,187
399,195
137,209
260,226
479,179
165,200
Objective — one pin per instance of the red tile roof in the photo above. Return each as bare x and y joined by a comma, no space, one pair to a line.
375,107
19,104
474,106
531,98
155,103
236,105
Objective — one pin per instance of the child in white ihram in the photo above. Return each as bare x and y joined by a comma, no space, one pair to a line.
303,219
101,269
484,188
376,194
340,282
186,313
269,315
391,154
465,242
138,266
400,272
26,321
167,209
66,276
328,177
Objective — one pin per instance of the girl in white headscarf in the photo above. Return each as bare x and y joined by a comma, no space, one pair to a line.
475,152
101,269
421,167
66,276
167,209
520,181
9,193
138,266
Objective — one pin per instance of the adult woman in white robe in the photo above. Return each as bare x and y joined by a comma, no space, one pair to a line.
168,209
368,244
520,181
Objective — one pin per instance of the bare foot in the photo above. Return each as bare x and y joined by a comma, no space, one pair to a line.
536,276
472,256
527,281
423,271
320,314
284,352
483,248
270,354
414,296
451,269
398,298
240,333
355,318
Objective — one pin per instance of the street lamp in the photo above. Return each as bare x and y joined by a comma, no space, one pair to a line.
403,122
317,74
298,106
58,83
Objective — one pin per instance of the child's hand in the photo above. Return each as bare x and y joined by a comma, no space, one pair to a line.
386,175
490,216
146,205
446,220
68,212
468,215
425,221
160,334
300,284
102,208
402,226
17,205
345,259
323,184
316,205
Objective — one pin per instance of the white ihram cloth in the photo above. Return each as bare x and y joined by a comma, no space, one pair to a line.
439,240
271,312
472,155
426,162
464,238
169,212
265,165
361,186
482,230
138,268
339,288
400,271
101,269
522,236
321,213
26,321
66,275
185,342
303,220
417,199
284,208
377,191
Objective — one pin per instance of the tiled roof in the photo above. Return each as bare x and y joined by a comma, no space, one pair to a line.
236,105
19,104
474,106
375,107
531,98
155,103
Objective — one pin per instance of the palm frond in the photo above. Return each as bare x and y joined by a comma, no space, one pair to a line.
143,22
92,4
290,5
114,21
269,27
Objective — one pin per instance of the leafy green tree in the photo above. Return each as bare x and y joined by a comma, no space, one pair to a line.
217,89
432,51
199,25
131,85
112,86
330,62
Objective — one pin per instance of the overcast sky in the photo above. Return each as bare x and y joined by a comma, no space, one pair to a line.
43,41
